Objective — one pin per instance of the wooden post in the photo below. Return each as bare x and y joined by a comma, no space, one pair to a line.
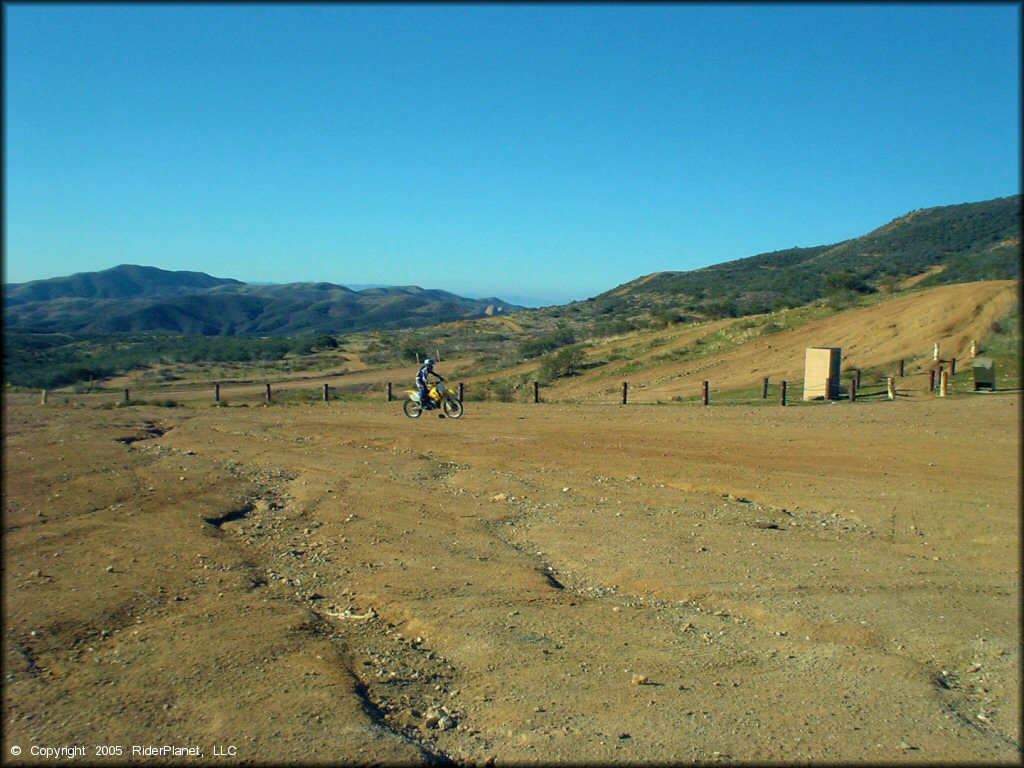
828,388
126,397
216,393
764,388
704,393
268,391
782,393
536,392
890,387
952,367
974,348
625,388
943,383
327,390
900,369
389,391
853,389
43,400
935,352
460,391
931,380
858,376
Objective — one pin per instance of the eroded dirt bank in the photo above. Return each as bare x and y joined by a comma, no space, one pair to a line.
531,583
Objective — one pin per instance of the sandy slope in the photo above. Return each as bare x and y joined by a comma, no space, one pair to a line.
905,327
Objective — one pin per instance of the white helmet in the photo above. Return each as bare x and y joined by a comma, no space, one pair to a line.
429,363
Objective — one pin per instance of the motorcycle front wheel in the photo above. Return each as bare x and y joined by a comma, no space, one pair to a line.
412,409
453,407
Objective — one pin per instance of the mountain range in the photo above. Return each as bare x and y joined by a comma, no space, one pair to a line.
132,299
946,244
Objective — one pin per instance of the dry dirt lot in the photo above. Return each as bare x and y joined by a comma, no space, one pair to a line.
544,583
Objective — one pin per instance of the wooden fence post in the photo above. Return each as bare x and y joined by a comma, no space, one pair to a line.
782,393
900,369
268,391
460,391
216,393
943,383
857,371
931,380
43,400
828,388
704,393
952,367
126,397
625,387
764,389
890,387
327,390
536,392
389,391
853,389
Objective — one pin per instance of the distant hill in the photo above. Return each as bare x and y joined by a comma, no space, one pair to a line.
124,282
948,244
132,299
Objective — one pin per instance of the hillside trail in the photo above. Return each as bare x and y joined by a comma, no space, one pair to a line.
527,584
905,327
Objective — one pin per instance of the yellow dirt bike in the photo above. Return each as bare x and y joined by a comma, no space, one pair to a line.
440,397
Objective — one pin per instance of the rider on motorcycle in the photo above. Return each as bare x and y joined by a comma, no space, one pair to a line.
421,382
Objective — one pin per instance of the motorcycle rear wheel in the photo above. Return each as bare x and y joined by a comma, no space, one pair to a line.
453,407
412,409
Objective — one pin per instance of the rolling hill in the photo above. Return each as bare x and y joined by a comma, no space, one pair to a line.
133,299
737,353
942,245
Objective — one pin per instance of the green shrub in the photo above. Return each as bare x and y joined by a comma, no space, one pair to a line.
565,362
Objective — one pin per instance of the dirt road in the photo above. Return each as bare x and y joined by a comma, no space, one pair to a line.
531,583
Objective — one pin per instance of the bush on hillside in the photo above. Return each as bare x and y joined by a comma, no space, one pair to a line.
565,362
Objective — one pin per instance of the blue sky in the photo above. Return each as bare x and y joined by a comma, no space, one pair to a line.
534,152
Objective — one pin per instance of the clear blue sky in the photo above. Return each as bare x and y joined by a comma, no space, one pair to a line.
524,151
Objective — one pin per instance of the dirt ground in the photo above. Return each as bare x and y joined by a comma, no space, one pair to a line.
548,583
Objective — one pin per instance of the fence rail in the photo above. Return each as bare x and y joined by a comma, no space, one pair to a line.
940,384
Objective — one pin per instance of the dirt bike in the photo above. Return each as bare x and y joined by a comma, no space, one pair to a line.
440,397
